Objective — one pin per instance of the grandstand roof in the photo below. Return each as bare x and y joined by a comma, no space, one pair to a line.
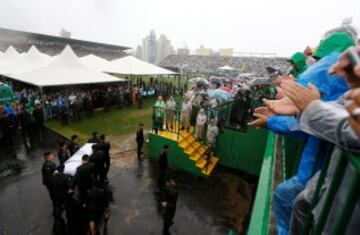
70,41
66,69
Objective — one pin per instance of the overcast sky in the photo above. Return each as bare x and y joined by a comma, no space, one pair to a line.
280,26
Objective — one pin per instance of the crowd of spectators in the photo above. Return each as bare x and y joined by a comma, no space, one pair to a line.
319,106
208,106
208,65
33,108
317,101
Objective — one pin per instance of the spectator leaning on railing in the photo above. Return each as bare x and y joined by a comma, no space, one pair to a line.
331,88
336,123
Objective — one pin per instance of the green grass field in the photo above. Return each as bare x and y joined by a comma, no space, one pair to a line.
116,123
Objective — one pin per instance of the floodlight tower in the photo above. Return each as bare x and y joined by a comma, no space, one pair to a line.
347,21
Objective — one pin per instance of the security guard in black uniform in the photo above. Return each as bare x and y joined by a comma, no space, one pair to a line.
98,158
94,138
140,140
169,203
84,177
104,146
163,166
73,145
48,169
63,153
60,187
96,206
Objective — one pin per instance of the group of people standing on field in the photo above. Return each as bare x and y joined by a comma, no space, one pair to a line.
84,196
190,114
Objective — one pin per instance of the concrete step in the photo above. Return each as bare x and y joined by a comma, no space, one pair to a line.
200,163
213,162
189,150
195,156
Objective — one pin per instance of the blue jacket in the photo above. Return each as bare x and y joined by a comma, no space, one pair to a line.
285,125
331,88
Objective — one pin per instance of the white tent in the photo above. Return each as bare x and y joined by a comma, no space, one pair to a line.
33,59
226,67
66,69
10,56
133,66
95,62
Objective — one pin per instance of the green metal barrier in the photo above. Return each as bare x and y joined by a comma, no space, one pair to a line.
260,217
352,196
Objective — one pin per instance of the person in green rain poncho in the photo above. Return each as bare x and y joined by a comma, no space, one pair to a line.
298,63
159,114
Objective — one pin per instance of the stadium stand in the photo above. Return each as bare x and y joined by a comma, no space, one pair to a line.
208,65
53,45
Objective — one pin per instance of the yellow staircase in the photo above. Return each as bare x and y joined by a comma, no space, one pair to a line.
193,149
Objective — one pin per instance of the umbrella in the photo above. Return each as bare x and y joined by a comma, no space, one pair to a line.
270,69
261,81
243,76
219,93
199,80
273,71
216,80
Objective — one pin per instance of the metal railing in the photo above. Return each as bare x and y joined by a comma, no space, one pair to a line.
226,114
260,217
233,114
261,212
171,120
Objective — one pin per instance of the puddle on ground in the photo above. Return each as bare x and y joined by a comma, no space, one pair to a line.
123,151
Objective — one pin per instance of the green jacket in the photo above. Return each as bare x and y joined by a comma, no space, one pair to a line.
299,61
160,108
336,42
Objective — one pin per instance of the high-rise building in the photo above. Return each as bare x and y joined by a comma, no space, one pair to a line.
138,52
204,51
164,48
65,34
154,50
149,48
226,52
183,51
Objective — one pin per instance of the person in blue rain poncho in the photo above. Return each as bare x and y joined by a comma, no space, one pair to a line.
330,87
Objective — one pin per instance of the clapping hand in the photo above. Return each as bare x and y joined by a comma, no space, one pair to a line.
299,95
283,106
262,114
341,68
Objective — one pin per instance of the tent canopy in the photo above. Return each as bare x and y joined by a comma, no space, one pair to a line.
33,59
10,56
66,69
96,62
133,66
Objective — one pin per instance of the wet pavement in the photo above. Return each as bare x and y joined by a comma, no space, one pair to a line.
205,206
